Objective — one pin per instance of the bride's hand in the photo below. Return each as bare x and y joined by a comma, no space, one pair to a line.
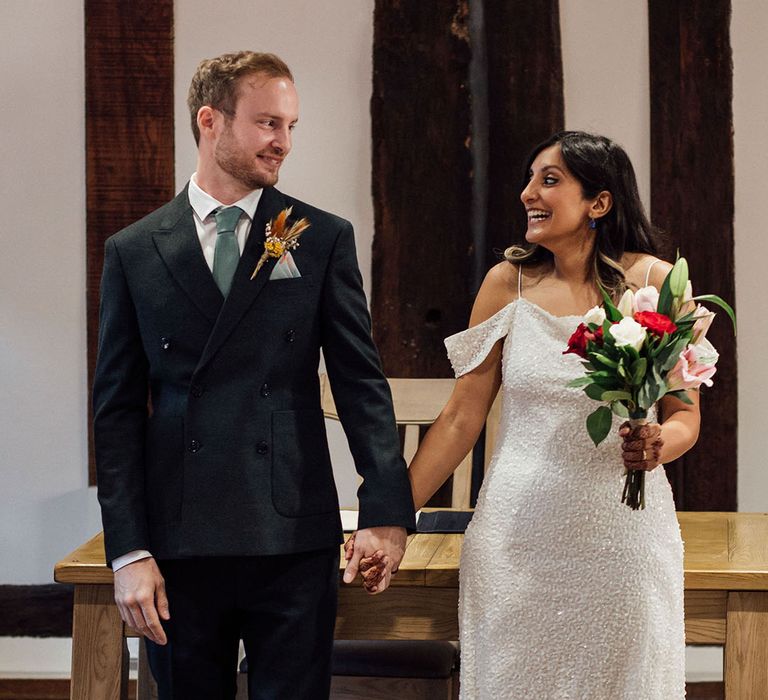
372,569
641,446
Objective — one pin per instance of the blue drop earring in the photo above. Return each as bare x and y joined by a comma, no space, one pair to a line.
592,224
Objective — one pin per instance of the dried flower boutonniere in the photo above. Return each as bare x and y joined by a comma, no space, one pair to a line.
280,239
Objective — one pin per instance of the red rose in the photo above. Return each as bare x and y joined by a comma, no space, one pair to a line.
577,343
656,323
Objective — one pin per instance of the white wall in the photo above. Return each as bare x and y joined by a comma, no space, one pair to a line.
749,28
45,505
605,76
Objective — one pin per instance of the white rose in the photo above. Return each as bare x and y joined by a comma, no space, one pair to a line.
647,299
627,304
595,315
628,332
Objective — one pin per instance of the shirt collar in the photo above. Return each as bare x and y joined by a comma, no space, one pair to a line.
204,205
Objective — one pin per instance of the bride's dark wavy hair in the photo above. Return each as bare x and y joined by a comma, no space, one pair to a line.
599,164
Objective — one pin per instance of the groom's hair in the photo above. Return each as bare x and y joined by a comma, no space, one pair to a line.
215,82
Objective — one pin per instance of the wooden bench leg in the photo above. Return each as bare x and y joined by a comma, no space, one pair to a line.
99,649
746,646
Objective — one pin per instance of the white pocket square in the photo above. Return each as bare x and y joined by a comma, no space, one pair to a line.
285,269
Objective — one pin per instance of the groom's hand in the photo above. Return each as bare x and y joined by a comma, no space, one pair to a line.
381,546
141,600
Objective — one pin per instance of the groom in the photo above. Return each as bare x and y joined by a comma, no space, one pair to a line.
220,512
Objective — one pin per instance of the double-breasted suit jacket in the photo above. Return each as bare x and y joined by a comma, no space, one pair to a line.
209,435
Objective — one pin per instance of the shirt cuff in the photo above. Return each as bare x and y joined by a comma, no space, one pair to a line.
125,559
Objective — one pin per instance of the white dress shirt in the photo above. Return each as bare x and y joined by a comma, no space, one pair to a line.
204,207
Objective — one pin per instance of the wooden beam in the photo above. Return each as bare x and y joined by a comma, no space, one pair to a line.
692,196
422,247
36,611
129,127
525,106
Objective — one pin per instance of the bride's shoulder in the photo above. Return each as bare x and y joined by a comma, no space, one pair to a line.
498,290
641,269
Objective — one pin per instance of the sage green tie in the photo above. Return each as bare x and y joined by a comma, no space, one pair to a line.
226,255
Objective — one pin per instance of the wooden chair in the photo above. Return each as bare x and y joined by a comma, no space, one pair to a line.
410,670
417,403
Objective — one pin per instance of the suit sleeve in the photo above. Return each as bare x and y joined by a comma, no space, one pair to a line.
361,392
120,394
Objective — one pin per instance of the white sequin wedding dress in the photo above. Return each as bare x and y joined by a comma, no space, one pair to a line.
565,591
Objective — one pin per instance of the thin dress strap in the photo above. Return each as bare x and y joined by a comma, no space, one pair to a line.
519,281
648,272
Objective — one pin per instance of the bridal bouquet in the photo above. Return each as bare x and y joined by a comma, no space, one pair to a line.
652,344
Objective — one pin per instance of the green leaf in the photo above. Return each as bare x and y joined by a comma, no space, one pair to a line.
603,360
668,359
722,304
665,296
619,409
616,396
638,371
611,312
651,391
594,391
599,424
681,395
579,382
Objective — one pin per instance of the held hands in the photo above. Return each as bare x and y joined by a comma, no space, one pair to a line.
141,600
641,447
375,553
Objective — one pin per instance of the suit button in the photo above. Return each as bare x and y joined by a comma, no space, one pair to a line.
165,343
194,446
262,448
290,336
196,391
266,390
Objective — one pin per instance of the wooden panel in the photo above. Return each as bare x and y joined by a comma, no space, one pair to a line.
705,617
525,105
692,195
422,192
399,613
99,654
746,655
42,689
355,688
128,130
36,611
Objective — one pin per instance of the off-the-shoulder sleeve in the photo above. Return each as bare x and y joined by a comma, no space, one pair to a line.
466,350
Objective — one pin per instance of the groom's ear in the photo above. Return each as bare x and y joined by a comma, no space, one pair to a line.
207,118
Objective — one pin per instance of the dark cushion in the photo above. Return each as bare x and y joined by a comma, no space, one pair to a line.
446,521
395,659
391,659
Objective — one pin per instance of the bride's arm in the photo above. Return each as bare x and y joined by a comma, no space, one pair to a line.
456,429
679,427
458,426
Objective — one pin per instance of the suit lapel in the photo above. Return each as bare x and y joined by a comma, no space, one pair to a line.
244,289
179,246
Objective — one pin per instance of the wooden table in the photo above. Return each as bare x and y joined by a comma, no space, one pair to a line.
726,602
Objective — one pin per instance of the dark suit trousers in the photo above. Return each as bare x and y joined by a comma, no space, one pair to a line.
282,606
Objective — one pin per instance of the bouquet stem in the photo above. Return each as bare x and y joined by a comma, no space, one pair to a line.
634,485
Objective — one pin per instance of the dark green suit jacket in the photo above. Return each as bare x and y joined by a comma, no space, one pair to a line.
209,436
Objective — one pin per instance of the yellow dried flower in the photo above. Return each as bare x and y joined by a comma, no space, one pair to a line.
279,239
